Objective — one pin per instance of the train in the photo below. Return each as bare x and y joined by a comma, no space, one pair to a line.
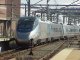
39,31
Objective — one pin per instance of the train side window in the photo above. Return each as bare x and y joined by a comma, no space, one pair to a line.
79,30
60,30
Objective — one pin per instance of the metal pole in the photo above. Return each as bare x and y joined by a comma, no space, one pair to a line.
29,7
51,17
41,15
11,18
57,18
31,53
25,9
4,29
63,19
1,31
47,11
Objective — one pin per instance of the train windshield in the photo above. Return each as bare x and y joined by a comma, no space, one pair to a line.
25,24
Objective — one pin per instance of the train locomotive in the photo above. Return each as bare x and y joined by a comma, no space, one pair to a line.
26,29
42,31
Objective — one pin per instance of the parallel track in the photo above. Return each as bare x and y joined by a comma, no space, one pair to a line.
38,51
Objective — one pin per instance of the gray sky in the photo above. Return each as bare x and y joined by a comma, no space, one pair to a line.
51,1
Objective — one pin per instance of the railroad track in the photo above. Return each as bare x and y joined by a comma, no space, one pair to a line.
7,54
38,52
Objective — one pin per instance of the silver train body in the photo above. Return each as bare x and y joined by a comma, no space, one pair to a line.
41,31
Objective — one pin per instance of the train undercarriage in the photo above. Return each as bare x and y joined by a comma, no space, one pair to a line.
14,44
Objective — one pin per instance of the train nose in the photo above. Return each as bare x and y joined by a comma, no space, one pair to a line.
23,36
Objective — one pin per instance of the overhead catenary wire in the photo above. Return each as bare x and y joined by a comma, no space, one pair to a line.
40,4
37,2
28,1
74,2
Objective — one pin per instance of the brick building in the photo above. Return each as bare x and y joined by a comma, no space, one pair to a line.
9,13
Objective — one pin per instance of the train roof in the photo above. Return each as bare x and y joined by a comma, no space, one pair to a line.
27,17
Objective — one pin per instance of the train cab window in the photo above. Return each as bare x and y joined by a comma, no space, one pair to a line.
25,24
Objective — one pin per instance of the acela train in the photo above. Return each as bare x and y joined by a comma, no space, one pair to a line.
42,31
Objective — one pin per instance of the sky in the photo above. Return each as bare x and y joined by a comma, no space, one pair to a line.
51,1
66,2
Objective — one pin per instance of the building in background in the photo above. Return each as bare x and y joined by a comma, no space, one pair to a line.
9,13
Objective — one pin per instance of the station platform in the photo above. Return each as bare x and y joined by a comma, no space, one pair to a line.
67,54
